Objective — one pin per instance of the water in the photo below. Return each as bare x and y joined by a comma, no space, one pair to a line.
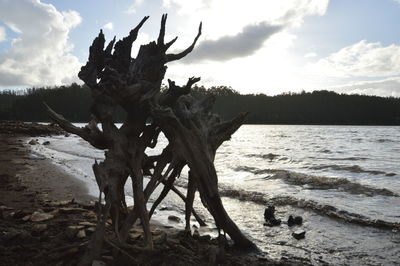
343,180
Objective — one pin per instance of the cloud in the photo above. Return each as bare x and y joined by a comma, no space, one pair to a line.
362,59
108,26
243,44
2,34
132,8
243,30
384,87
41,53
310,55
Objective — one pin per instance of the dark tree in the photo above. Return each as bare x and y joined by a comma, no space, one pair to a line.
193,132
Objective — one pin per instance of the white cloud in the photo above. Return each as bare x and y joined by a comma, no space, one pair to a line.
362,59
310,55
383,87
41,54
108,26
133,7
2,34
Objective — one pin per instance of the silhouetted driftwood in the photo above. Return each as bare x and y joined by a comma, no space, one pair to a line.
193,132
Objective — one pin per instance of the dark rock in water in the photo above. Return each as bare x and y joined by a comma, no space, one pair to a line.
299,234
269,216
273,222
298,220
174,218
46,143
269,212
33,142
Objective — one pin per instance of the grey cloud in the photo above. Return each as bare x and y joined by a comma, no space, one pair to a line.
245,43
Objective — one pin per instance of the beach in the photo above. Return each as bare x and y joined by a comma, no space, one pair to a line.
47,217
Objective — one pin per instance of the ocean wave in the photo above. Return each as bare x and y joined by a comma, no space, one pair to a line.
348,159
384,140
325,151
333,212
319,182
322,209
268,156
352,169
342,184
254,170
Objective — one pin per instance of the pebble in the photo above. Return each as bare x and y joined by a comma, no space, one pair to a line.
33,142
81,234
299,234
174,218
41,216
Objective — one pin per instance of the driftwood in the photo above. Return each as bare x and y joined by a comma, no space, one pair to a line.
193,132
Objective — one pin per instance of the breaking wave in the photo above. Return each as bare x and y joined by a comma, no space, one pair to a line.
319,182
333,212
322,209
352,169
270,156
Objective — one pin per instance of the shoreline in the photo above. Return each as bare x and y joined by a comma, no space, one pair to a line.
30,185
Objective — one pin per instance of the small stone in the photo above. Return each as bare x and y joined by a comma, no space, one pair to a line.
46,142
33,142
81,234
196,234
19,214
273,222
298,220
85,223
160,239
269,212
38,228
205,238
41,216
91,229
174,218
135,235
72,210
98,263
299,234
72,231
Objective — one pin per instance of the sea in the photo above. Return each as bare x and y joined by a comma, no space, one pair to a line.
344,181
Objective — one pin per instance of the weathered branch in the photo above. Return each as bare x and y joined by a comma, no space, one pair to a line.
90,133
173,57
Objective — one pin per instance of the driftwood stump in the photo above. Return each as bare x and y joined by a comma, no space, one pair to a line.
193,132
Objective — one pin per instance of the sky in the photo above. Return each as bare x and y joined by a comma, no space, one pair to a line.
253,46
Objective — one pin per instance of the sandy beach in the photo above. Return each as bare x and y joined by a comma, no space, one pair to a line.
47,217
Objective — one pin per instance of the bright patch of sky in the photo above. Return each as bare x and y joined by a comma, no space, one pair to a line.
254,46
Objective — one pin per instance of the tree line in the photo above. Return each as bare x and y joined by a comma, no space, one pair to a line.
316,108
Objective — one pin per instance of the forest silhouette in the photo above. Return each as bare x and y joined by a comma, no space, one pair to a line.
307,108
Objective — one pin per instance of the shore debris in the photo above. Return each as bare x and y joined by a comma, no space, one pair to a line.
298,220
41,216
269,216
299,234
